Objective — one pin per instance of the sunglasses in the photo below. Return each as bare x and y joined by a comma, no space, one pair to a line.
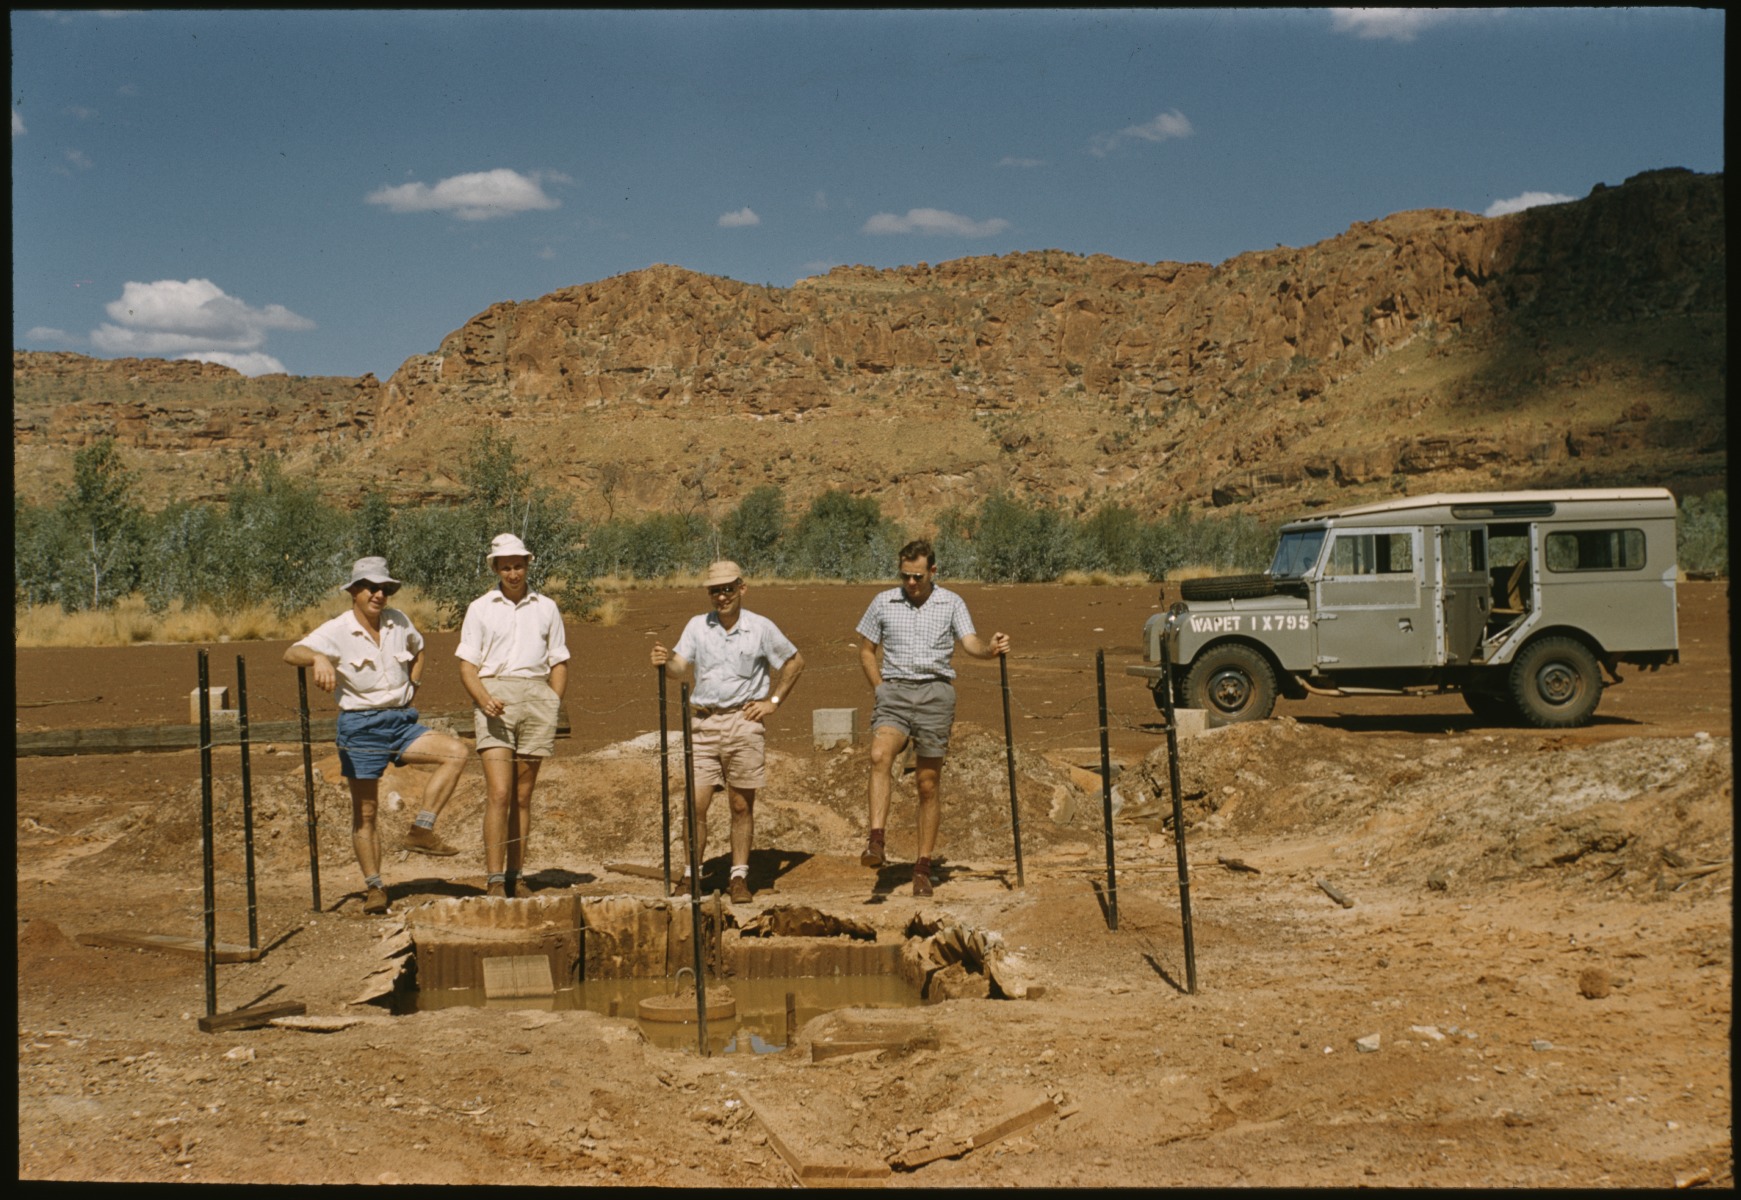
906,578
386,589
722,589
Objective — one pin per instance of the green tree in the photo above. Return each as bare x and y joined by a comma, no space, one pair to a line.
1112,539
103,530
1702,533
372,527
750,534
842,536
1016,543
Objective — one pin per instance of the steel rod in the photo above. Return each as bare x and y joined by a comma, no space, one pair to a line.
1009,748
1106,794
247,801
308,789
664,781
205,821
1178,821
694,868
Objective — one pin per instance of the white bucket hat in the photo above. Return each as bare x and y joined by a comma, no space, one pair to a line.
506,545
371,570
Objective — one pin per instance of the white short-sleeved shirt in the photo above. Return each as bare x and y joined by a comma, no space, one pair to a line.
732,665
918,641
369,675
509,640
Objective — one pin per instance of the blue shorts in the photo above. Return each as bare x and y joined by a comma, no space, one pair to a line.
370,738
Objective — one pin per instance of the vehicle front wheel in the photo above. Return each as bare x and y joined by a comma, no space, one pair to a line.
1555,683
1232,683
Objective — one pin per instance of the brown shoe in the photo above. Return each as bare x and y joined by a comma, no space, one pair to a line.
498,890
427,841
922,877
686,887
739,890
873,855
375,901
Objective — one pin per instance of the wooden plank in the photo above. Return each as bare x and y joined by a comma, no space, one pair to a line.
811,1173
132,738
834,1048
250,1018
225,952
637,870
510,975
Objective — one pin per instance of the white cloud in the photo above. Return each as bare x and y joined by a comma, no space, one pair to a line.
79,159
934,220
478,196
1397,24
247,364
1500,208
1010,160
1164,126
17,124
740,219
191,318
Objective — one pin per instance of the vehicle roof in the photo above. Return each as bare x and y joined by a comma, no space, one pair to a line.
1460,499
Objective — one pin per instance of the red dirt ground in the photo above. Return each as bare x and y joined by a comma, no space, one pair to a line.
1540,937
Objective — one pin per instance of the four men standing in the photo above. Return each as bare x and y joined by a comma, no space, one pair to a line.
730,653
513,657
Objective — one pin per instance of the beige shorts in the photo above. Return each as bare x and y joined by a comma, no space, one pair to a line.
727,749
527,725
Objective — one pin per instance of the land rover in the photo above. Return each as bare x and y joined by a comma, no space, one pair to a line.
1527,603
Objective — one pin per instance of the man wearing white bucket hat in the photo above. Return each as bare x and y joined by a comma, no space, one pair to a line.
372,659
513,659
743,666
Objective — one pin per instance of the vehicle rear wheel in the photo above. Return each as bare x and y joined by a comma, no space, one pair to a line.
1555,683
1228,587
1232,683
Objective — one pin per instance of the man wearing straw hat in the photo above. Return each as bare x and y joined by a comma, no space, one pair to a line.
731,654
513,659
372,659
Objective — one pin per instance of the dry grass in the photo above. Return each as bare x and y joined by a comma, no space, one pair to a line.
1102,579
131,623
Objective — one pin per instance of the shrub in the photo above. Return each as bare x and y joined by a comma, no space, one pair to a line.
750,534
1702,533
842,536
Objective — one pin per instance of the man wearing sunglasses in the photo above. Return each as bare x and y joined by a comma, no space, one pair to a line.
371,658
908,637
732,655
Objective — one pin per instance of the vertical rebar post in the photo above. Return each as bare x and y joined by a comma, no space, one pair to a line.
205,821
694,868
1178,819
1009,748
308,789
247,800
1106,794
664,781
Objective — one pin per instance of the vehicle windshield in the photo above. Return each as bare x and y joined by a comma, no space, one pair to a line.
1297,553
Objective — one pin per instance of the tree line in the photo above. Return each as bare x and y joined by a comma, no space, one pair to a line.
279,541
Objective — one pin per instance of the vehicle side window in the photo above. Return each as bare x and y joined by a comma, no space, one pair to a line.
1372,554
1595,550
1465,550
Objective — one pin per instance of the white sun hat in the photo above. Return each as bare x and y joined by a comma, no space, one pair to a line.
506,545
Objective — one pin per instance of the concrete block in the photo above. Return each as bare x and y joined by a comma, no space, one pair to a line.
831,727
1191,721
218,698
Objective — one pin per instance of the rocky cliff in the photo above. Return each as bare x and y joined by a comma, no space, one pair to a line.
1576,343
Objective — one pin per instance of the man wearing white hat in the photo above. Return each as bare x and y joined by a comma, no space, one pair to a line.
731,654
372,658
513,659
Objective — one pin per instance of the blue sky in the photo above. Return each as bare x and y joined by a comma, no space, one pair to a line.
331,192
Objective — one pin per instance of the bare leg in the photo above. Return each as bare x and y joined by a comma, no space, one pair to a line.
743,823
499,773
365,836
703,799
886,745
927,775
447,754
520,821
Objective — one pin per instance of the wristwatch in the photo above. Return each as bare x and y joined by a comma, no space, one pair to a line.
774,700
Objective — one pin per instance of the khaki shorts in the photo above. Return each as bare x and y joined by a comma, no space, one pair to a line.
924,710
727,748
527,725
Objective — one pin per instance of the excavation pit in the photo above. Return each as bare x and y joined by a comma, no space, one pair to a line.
618,955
